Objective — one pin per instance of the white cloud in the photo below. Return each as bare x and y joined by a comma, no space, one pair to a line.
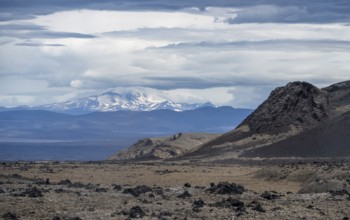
92,21
270,13
193,55
76,84
12,101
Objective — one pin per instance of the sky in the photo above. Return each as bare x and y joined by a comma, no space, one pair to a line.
228,52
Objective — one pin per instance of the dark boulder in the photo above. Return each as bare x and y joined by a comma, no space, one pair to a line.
136,212
226,188
184,195
137,190
230,202
270,195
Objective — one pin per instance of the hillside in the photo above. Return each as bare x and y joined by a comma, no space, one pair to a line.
164,147
288,111
331,139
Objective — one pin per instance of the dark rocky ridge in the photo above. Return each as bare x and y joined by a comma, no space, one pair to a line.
289,110
299,104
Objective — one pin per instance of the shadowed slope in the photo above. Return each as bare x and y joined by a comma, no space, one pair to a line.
331,139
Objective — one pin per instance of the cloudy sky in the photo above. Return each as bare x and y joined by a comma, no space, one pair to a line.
229,52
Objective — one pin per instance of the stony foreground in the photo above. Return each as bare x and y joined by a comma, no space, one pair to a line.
170,191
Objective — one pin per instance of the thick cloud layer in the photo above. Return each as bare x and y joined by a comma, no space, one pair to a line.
317,11
189,50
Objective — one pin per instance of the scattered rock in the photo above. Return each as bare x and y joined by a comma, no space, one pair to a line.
158,190
15,175
187,185
68,183
10,216
137,190
270,195
100,190
164,213
117,187
59,191
310,207
197,204
256,206
339,192
226,188
166,171
64,182
30,192
230,202
136,212
77,185
184,195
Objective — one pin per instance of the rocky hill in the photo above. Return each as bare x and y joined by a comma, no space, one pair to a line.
163,147
288,111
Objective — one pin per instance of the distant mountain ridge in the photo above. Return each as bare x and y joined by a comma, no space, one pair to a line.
26,125
112,101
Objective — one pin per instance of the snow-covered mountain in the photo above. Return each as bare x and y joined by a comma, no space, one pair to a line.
111,101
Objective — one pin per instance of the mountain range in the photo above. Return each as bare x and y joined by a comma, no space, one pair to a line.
112,101
41,126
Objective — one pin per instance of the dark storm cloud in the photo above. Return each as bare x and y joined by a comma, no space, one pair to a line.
42,34
34,44
293,14
257,11
29,31
271,45
168,83
15,27
174,82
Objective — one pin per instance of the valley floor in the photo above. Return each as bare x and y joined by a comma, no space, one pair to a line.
173,191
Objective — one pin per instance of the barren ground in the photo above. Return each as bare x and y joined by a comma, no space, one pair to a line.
158,191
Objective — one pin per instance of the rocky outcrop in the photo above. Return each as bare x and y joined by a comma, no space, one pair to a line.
298,104
164,147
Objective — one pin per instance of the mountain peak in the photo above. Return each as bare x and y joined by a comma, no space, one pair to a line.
113,101
298,104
